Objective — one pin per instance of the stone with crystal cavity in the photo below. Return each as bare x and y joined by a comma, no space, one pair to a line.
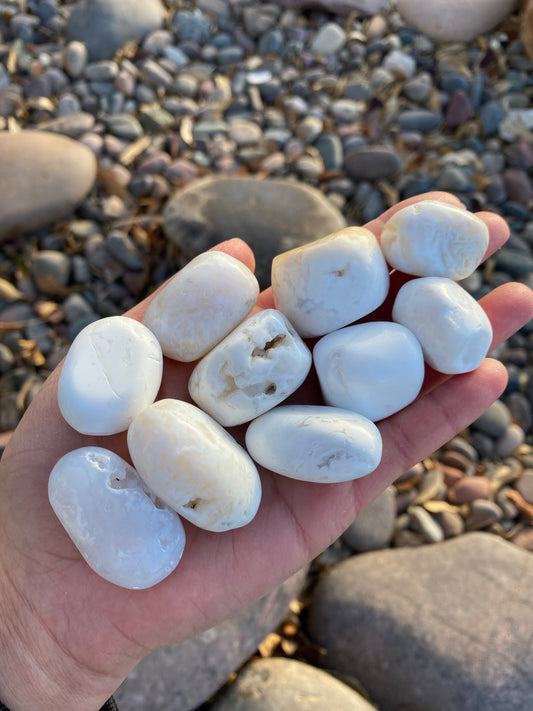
112,371
194,465
374,369
315,443
252,370
123,531
432,238
204,302
327,284
452,328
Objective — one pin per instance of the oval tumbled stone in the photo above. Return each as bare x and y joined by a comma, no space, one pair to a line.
315,443
332,282
432,238
194,465
123,531
374,369
452,328
201,304
112,371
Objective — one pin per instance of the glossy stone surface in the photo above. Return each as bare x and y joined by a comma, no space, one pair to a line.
315,443
123,531
374,369
452,328
194,465
332,282
112,371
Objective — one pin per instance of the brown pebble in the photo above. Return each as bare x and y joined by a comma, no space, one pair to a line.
471,488
521,504
524,538
458,461
451,475
406,538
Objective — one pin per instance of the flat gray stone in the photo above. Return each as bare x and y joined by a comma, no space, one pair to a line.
272,216
435,628
374,526
372,163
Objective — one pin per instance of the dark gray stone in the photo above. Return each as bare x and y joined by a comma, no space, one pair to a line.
372,163
419,120
494,421
329,146
374,526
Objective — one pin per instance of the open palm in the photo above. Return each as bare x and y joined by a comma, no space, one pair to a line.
68,638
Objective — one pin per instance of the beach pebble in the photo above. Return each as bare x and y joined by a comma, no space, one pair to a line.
211,295
330,283
194,465
452,328
374,369
315,443
112,371
122,530
252,370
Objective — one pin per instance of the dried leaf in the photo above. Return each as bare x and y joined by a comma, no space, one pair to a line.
269,645
134,150
289,646
186,127
436,507
524,507
9,292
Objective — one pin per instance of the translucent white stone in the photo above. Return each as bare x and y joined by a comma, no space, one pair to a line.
201,304
332,282
252,370
194,465
431,238
112,371
123,531
374,369
315,443
452,328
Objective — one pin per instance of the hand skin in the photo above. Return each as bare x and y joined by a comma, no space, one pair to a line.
68,638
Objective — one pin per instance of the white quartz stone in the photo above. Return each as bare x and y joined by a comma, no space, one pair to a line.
112,371
315,443
374,369
194,465
431,238
123,531
452,328
332,282
201,304
252,370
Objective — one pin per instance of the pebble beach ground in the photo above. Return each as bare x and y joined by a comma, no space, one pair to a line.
145,122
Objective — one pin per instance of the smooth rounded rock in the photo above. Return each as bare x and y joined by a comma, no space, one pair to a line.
315,443
119,526
206,300
112,371
452,328
332,282
375,369
431,238
194,465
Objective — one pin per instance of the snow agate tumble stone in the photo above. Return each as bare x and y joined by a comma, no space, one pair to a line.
122,530
374,369
330,283
452,328
252,370
432,238
112,371
194,465
315,443
201,305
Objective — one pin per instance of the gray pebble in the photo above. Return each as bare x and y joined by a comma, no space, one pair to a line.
192,26
41,334
105,70
494,421
7,359
454,179
372,163
76,307
73,125
483,513
76,326
329,146
124,249
50,271
374,526
418,88
124,126
155,118
419,120
154,74
423,522
346,110
328,40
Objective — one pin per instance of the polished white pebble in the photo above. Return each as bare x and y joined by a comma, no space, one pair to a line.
330,283
374,369
252,370
201,304
432,238
194,465
123,531
315,443
112,371
452,328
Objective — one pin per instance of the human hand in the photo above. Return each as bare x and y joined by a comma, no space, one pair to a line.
68,638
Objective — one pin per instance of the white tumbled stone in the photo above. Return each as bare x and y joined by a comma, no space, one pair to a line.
315,443
327,284
432,238
252,370
452,328
112,371
204,302
194,465
123,531
374,369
